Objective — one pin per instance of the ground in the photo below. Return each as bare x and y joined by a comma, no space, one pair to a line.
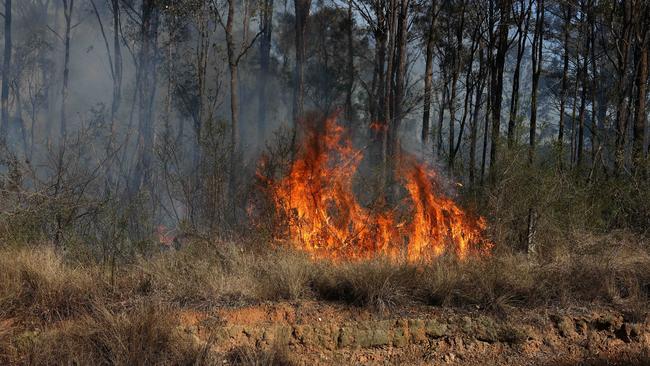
314,333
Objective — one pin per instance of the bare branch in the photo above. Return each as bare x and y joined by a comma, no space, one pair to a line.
243,52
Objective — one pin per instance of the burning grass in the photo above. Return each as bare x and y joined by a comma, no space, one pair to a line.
324,217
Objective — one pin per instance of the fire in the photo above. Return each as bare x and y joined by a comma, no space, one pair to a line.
324,217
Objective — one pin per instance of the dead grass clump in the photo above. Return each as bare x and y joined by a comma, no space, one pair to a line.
378,283
38,283
227,274
145,335
283,275
201,275
182,279
593,272
492,283
612,268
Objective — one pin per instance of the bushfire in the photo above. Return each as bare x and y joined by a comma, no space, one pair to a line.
324,217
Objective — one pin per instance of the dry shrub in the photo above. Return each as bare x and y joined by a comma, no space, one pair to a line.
144,335
492,283
226,274
184,278
378,284
595,270
282,275
38,283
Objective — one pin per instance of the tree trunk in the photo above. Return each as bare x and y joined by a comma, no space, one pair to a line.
486,130
594,86
565,78
470,84
640,117
6,65
400,71
301,8
266,27
622,85
441,113
428,74
68,6
234,102
388,89
475,118
497,83
146,95
538,45
117,68
583,97
349,88
514,97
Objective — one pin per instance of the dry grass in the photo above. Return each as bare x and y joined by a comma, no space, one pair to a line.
39,284
144,335
84,319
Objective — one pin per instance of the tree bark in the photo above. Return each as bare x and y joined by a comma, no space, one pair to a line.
68,6
640,116
428,74
455,67
266,27
400,71
565,83
475,118
497,83
583,95
117,68
146,95
349,88
538,45
233,66
621,90
522,29
6,65
301,8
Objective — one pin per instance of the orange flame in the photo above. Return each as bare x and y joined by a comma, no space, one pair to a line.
324,217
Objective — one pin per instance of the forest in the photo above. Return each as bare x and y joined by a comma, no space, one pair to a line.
169,168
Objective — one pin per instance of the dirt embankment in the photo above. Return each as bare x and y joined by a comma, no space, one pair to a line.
323,334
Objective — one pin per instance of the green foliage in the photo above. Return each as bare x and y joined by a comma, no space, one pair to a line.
560,201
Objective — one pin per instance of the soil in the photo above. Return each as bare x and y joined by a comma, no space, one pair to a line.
313,333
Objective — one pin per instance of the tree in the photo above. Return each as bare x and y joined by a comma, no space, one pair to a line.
567,15
498,64
523,22
641,39
146,81
266,29
428,72
6,65
349,112
302,9
235,54
68,6
537,47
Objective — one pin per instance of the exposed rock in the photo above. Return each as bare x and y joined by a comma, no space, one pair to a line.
486,330
435,329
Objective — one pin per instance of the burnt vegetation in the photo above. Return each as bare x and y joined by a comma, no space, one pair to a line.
158,156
